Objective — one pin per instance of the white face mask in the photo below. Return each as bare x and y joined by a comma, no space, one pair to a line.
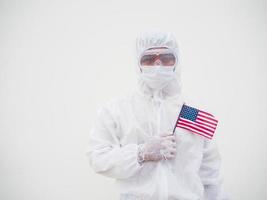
157,77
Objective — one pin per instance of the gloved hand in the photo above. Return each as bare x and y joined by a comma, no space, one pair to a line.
157,148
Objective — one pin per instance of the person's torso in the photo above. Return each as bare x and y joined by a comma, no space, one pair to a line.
138,119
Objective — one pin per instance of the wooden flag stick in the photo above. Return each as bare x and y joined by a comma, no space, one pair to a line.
177,119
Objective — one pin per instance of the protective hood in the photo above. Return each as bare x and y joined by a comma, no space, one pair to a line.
158,39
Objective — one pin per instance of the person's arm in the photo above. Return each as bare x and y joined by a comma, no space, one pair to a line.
210,172
106,155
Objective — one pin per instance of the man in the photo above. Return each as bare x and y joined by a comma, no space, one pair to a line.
132,141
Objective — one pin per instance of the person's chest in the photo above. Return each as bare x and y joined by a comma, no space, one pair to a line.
139,119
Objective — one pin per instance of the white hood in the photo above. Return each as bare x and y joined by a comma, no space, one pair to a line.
158,39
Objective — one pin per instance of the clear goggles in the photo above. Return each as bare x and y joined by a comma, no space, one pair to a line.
159,56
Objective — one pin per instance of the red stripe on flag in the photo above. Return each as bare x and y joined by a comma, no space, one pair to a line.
196,124
209,118
206,124
207,121
206,113
197,129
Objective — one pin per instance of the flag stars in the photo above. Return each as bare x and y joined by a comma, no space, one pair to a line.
189,113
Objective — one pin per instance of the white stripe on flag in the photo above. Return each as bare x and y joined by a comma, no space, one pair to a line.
207,117
197,125
205,123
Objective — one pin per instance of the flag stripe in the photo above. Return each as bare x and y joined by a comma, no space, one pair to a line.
196,124
198,118
205,120
206,124
207,113
185,127
206,117
196,128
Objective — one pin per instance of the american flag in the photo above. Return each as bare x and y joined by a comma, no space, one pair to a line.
197,121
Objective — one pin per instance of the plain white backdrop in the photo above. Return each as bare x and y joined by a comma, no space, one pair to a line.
61,60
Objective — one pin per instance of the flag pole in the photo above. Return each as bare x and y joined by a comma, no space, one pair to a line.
177,119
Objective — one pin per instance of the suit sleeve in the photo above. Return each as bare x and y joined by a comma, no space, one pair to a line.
104,151
210,172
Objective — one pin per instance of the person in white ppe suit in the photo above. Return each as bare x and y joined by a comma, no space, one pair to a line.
132,142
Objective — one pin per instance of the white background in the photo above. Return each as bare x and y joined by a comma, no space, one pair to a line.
60,60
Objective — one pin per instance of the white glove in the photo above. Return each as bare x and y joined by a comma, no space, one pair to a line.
157,148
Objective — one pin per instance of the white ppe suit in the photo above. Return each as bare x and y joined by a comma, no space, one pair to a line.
127,121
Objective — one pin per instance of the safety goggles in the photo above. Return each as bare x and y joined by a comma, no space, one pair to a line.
164,59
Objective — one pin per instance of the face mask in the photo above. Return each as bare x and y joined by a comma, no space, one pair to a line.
157,77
